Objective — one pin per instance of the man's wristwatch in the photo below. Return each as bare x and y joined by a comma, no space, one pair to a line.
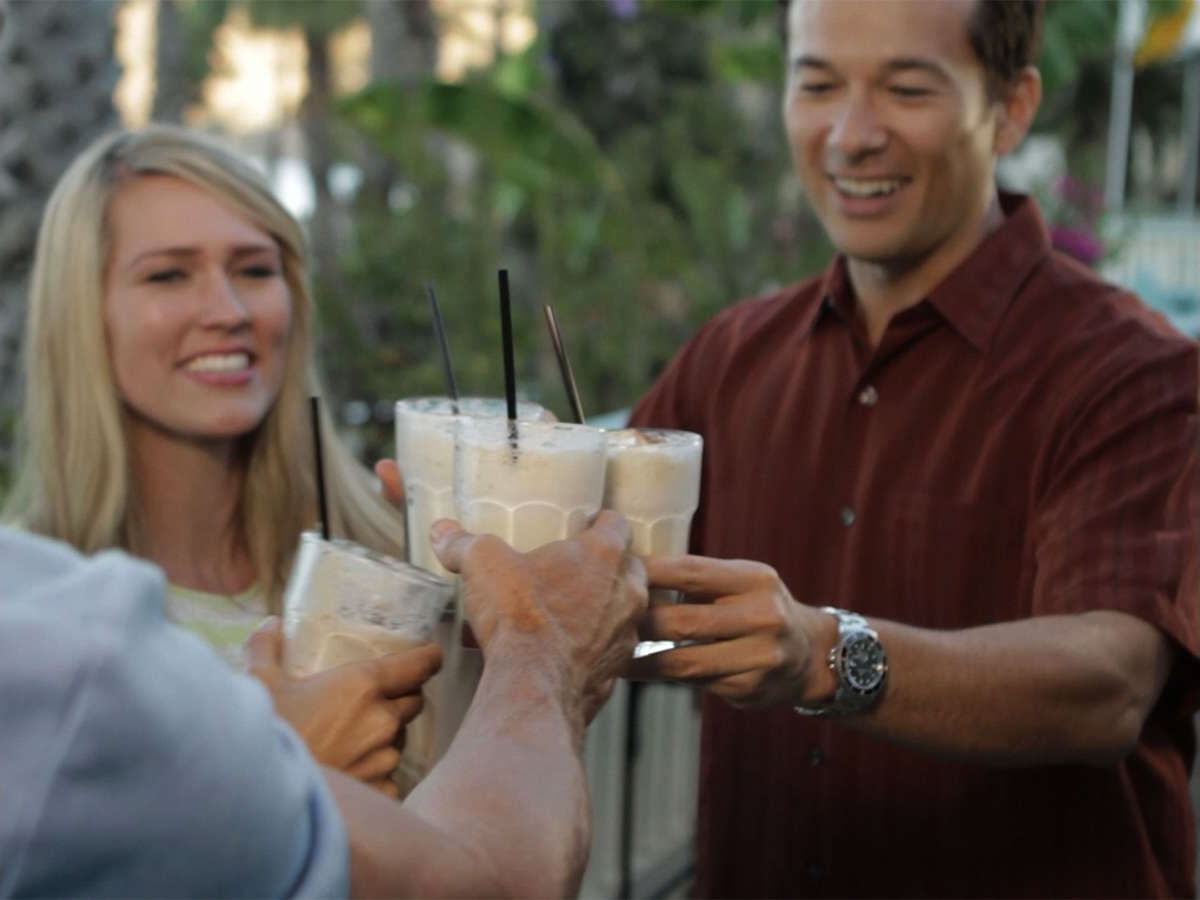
859,663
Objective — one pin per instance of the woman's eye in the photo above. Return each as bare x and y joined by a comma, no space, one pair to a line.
165,276
816,87
260,271
903,90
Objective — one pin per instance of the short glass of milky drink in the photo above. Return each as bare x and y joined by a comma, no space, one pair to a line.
529,483
344,603
653,479
425,428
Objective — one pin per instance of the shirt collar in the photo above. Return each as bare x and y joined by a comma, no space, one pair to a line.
972,298
837,294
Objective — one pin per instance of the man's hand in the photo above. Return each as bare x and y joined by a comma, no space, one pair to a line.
754,644
391,481
574,601
351,717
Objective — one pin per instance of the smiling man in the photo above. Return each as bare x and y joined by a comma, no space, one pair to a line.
950,511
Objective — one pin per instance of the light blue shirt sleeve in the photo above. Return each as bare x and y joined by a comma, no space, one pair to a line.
133,762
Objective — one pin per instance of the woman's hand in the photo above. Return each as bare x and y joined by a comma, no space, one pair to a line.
352,717
388,472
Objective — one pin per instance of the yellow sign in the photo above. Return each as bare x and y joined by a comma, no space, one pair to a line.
1173,28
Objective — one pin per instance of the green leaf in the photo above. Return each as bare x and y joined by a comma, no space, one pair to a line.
523,140
758,61
518,75
317,16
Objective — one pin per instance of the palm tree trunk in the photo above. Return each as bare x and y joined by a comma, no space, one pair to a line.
57,74
404,48
172,89
318,140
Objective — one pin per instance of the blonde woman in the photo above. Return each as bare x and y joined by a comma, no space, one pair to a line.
167,374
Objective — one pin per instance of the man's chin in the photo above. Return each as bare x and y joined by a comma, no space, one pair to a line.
873,243
887,255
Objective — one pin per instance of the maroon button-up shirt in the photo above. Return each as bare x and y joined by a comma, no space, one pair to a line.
1021,443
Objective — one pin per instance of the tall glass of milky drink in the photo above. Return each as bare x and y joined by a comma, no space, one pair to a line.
425,428
653,478
529,483
344,603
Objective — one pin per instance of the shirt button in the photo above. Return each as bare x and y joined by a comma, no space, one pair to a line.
816,756
868,396
848,516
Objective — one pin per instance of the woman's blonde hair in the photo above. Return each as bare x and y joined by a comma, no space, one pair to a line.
73,473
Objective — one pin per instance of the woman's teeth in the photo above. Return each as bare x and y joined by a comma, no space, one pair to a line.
220,362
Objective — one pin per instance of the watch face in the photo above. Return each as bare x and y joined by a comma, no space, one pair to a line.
863,663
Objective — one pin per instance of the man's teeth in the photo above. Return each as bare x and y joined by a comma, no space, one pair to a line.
867,187
220,362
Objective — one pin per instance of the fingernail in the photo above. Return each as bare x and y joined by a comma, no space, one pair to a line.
440,529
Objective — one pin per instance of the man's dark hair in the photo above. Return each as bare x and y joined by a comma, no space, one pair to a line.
1006,35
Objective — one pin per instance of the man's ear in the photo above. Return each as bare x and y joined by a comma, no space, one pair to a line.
1017,110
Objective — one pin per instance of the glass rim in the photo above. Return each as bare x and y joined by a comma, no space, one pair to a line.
474,427
411,405
390,562
681,437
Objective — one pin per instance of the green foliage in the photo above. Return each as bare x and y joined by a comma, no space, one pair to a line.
1076,34
322,17
200,19
518,75
531,144
630,171
744,12
749,60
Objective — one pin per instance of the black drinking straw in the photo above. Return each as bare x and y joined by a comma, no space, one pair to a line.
315,408
564,365
510,375
439,328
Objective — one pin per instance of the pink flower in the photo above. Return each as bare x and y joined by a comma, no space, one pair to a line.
1078,243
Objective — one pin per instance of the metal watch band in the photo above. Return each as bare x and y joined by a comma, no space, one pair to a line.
847,699
848,620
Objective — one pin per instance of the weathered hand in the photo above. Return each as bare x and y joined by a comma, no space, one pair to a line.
351,717
753,641
392,482
576,602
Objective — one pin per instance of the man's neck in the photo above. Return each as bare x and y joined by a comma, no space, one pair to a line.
188,493
883,290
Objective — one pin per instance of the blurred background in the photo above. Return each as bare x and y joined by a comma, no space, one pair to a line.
624,159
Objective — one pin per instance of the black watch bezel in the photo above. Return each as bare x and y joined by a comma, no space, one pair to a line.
859,662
